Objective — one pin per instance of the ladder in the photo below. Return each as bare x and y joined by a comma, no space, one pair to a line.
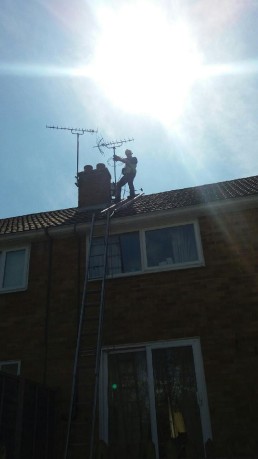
88,347
85,382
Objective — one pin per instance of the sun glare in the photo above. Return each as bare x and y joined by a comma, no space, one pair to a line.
143,62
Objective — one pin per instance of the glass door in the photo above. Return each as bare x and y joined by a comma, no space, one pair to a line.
177,411
128,401
154,396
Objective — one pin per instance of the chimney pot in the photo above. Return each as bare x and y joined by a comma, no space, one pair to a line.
100,167
88,168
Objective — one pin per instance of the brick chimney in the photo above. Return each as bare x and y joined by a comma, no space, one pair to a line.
94,187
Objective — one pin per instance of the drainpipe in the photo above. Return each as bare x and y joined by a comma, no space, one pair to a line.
48,301
79,252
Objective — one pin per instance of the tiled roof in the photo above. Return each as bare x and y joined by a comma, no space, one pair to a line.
167,200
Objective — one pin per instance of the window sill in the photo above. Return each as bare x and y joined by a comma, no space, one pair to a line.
154,269
12,290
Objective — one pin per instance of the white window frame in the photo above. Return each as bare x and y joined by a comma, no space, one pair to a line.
175,266
24,284
11,362
202,397
170,267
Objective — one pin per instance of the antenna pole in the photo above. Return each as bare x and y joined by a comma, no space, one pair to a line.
78,152
114,163
78,149
114,145
78,132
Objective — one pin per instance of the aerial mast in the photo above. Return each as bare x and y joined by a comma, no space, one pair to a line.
78,132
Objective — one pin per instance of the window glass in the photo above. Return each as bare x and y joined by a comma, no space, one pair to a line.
124,255
129,412
152,400
14,269
168,246
177,410
10,367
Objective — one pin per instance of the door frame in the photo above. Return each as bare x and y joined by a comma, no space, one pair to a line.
201,395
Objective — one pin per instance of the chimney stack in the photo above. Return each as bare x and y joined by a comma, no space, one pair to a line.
94,187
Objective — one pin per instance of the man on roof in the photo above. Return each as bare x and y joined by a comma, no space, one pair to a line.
129,172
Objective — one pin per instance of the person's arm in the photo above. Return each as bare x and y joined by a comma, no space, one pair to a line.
118,158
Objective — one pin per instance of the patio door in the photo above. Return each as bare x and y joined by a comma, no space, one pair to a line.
154,396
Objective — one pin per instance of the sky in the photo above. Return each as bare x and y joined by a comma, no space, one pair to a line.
179,77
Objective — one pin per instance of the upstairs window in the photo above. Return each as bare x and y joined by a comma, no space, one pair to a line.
13,269
124,255
158,249
171,246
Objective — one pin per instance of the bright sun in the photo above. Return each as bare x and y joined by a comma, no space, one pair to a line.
144,63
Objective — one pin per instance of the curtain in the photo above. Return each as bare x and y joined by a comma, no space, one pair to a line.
183,244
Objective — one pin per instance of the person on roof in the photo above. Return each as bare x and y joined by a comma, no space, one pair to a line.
129,172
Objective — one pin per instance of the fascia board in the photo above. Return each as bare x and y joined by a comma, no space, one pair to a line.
21,236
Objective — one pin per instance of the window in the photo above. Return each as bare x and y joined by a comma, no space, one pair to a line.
11,367
171,247
13,269
154,392
124,255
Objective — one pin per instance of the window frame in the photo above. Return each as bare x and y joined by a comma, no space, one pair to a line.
175,266
143,250
148,347
11,362
4,251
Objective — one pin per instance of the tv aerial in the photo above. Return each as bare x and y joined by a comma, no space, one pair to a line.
78,132
111,145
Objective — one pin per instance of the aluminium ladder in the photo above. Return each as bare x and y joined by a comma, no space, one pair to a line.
90,326
87,356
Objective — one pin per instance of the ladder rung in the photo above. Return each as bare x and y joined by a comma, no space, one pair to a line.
90,334
87,367
91,319
85,354
87,339
78,444
92,304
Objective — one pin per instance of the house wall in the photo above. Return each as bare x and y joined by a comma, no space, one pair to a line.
38,326
216,302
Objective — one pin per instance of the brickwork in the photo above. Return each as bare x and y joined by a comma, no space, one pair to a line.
217,302
94,186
